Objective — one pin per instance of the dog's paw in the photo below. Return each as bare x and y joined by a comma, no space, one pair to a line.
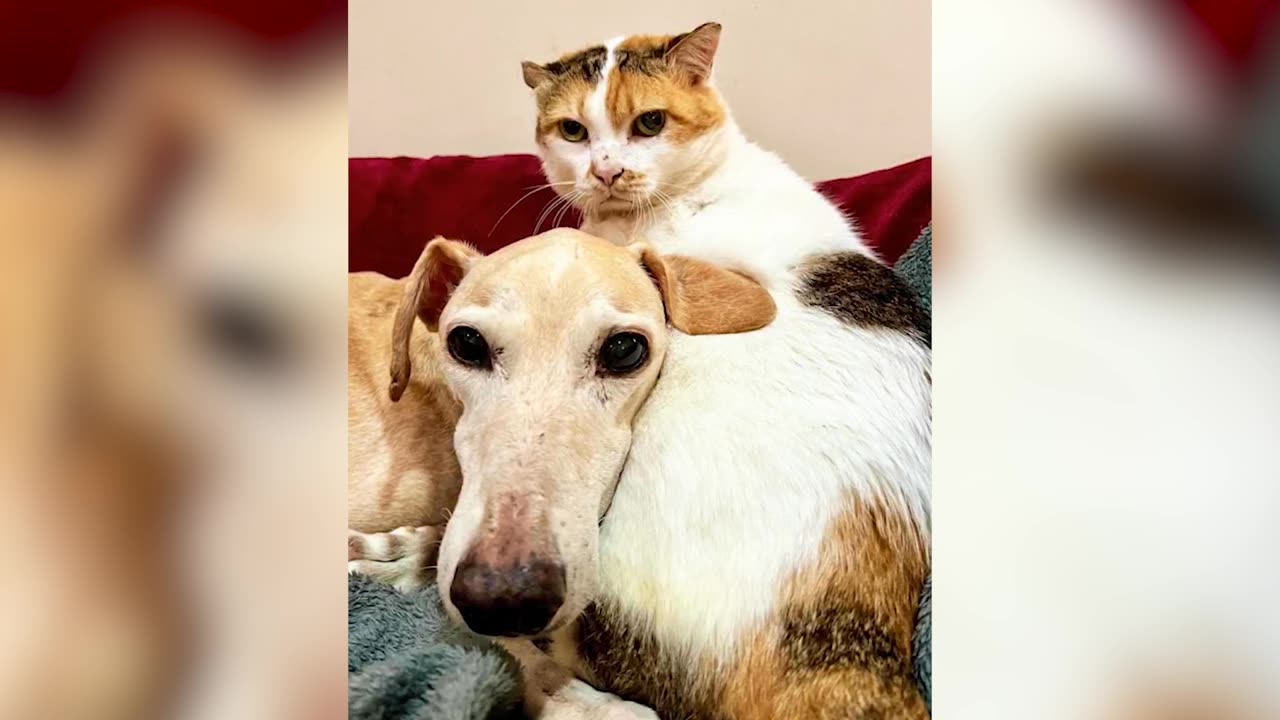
577,700
621,709
404,558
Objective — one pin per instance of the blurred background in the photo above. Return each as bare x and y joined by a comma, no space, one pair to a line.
835,88
1106,344
172,303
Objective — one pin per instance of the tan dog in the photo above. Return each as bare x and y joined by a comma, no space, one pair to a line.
535,366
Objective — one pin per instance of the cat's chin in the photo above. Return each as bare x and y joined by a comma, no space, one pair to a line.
614,207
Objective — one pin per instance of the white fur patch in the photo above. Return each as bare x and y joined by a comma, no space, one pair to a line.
751,443
745,452
596,109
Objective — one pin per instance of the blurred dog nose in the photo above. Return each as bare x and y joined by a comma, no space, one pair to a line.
607,173
509,601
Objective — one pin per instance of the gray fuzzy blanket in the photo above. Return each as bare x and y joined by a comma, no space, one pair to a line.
915,268
407,661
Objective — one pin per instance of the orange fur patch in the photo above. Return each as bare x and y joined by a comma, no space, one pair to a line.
565,99
691,110
839,645
639,82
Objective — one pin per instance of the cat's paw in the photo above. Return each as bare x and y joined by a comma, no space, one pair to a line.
404,558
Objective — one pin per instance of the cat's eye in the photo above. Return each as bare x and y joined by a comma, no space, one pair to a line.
650,123
623,352
469,347
573,131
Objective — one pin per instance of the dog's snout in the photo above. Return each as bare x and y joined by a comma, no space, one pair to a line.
511,600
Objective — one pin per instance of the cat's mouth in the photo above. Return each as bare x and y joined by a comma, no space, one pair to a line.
618,200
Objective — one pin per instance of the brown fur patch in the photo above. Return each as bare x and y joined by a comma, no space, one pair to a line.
585,64
841,646
631,664
859,291
838,647
833,635
570,80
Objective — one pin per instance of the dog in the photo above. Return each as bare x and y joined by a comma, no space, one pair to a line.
515,400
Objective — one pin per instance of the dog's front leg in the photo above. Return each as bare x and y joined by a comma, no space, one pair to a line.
552,693
404,558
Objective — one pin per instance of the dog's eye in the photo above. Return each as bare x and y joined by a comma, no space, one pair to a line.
468,347
623,352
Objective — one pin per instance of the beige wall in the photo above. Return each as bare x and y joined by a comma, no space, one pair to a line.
836,88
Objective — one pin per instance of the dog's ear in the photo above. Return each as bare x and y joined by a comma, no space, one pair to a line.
705,299
438,271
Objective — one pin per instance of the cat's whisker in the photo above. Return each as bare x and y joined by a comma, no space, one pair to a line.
650,214
572,206
563,201
663,198
551,206
560,215
532,191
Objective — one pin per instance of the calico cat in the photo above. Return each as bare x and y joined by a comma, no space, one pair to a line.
769,536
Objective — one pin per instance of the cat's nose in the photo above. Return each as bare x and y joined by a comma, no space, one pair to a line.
607,173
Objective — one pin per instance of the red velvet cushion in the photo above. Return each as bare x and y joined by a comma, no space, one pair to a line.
398,204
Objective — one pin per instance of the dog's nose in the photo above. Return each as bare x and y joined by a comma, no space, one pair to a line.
607,173
509,601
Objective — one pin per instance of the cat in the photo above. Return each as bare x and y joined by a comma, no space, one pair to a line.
770,533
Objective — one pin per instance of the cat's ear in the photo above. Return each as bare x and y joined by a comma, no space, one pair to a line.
705,299
693,52
534,74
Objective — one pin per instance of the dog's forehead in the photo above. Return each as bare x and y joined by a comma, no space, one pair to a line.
556,274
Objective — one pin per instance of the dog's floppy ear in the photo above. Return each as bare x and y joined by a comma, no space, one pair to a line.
438,271
705,299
